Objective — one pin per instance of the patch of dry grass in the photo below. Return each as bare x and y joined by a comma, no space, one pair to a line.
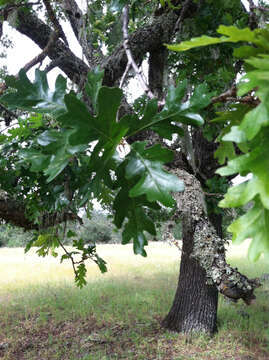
117,315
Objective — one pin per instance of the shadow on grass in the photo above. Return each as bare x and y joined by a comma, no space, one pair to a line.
119,318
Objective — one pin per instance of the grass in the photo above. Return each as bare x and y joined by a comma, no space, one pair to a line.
44,316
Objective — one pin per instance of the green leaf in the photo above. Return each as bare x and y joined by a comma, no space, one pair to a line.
196,42
233,34
135,125
255,225
103,127
254,120
238,195
166,130
256,162
80,278
36,96
93,86
57,145
145,164
174,113
224,151
236,135
38,161
201,97
236,34
101,264
246,51
261,62
70,234
134,229
134,211
85,128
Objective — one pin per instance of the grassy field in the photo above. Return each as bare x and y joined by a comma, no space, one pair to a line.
117,315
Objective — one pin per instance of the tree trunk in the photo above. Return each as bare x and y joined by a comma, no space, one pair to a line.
195,304
203,270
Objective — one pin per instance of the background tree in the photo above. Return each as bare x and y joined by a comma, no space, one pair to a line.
63,153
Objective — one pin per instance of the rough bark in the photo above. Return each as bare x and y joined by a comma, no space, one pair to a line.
39,32
203,269
208,247
146,39
195,304
14,212
78,24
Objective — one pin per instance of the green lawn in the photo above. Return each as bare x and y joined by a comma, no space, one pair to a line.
117,315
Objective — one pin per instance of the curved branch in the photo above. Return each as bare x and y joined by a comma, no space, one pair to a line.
55,22
78,24
35,29
129,54
14,212
145,39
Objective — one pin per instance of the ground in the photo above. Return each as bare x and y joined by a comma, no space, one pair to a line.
117,316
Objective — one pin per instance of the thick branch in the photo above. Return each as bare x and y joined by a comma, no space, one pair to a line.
54,21
13,212
39,58
143,40
40,33
78,24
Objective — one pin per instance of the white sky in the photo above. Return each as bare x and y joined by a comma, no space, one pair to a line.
25,50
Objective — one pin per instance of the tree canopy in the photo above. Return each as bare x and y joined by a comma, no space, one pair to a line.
62,146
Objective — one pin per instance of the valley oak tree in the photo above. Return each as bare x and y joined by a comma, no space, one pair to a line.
191,132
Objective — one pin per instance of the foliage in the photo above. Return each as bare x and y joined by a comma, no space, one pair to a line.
71,156
248,128
98,229
11,236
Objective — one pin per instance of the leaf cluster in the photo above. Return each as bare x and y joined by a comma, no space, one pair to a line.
71,154
248,128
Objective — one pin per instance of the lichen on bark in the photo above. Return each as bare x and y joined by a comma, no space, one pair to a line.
209,248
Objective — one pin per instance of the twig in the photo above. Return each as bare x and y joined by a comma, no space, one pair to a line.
230,95
129,55
125,74
55,22
39,58
69,255
184,9
213,194
252,17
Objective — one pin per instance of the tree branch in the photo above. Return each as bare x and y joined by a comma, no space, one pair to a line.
78,24
231,95
31,26
14,212
138,72
143,40
184,9
39,58
57,27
